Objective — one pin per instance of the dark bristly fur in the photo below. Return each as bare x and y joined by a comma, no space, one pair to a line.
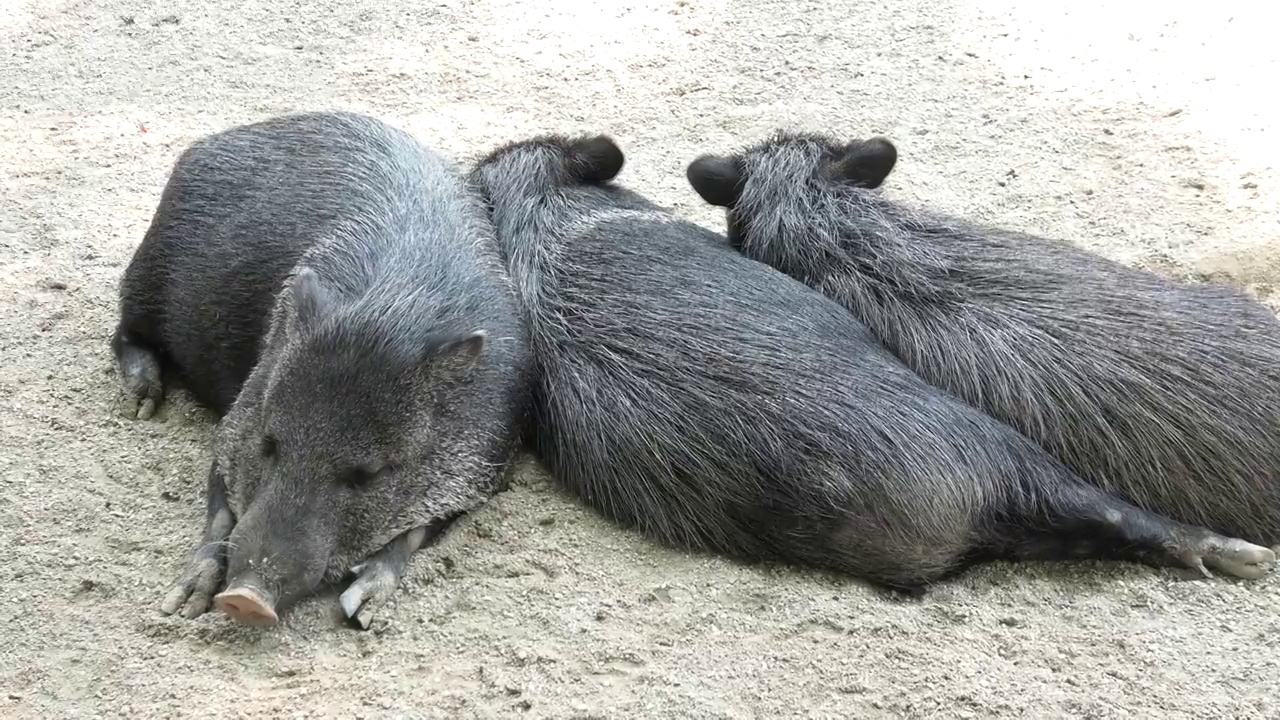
1165,394
712,402
380,387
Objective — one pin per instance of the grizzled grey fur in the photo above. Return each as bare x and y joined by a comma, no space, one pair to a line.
1163,393
712,402
331,287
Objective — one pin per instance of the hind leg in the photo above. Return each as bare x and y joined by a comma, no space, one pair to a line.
1075,520
140,375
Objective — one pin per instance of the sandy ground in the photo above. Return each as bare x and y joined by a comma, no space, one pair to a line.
1146,135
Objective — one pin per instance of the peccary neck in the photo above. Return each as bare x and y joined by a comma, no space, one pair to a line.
855,246
536,225
413,262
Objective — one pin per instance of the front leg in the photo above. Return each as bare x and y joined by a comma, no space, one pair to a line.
379,576
204,574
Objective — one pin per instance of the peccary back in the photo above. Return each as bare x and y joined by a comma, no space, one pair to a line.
1164,393
712,402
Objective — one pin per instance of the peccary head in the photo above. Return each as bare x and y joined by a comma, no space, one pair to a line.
777,173
335,446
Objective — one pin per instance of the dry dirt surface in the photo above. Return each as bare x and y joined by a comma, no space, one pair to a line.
1144,134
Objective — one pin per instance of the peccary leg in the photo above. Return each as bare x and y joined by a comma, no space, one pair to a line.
379,576
195,588
1074,520
139,375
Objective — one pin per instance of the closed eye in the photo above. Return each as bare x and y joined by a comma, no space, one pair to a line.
359,478
270,446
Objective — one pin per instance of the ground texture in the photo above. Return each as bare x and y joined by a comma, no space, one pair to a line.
1145,133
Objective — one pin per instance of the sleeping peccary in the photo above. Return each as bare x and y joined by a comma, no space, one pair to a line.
347,279
712,402
1164,394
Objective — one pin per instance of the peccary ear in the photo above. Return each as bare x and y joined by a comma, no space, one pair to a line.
716,179
868,162
596,159
310,300
456,355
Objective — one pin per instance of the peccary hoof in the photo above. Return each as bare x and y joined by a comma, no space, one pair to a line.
246,606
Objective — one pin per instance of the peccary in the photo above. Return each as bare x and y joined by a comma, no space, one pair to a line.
1164,394
333,291
714,403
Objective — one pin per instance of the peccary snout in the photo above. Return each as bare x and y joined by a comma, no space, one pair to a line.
245,602
279,553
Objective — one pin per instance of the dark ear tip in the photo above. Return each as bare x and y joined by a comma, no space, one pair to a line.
599,144
868,162
700,167
882,142
883,147
602,158
711,169
716,179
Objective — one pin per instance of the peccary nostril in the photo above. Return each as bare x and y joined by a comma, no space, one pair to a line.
247,605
